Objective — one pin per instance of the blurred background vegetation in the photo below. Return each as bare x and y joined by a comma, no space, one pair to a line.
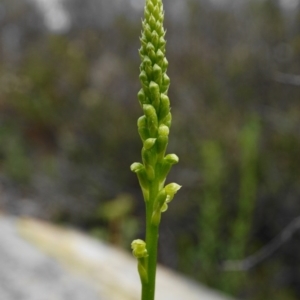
68,110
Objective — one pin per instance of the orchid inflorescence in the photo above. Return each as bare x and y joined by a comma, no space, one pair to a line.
153,128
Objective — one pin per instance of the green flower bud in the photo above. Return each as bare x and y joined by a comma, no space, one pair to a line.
163,130
162,141
136,167
141,173
165,166
158,204
158,13
143,43
147,66
171,189
159,57
162,44
164,106
154,91
149,143
165,84
147,32
165,65
142,128
150,172
160,29
149,159
150,47
157,76
167,120
139,249
144,78
166,80
155,38
142,97
164,207
149,155
147,14
160,199
152,22
152,121
151,51
150,6
171,159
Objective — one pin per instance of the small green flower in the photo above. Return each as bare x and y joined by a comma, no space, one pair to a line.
139,249
171,189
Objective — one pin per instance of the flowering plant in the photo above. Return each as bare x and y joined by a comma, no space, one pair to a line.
153,128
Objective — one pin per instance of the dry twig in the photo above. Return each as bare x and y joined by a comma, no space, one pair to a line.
253,260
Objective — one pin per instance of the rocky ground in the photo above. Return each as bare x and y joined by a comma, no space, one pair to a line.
26,273
39,261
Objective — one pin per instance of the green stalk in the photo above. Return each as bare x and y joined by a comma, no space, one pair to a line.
148,290
153,128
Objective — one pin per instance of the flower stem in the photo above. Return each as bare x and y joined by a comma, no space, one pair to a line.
148,289
153,128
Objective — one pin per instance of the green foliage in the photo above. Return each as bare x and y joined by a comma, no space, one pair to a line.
118,226
210,216
220,240
212,244
241,226
249,143
15,161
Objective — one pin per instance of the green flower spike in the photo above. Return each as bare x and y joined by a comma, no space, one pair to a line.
153,127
